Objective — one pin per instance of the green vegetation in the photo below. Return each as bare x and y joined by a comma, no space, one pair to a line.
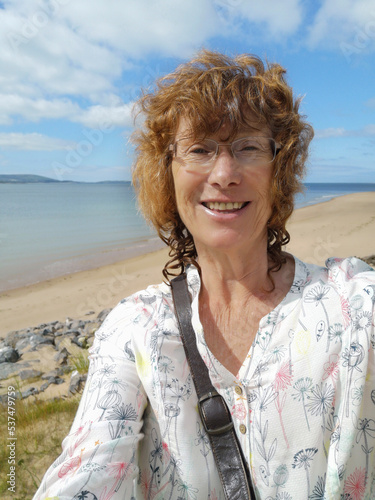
40,427
80,362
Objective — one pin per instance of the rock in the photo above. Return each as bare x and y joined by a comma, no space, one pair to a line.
68,322
62,356
91,327
8,369
76,381
90,313
9,355
32,391
90,342
13,337
4,398
32,342
23,345
79,341
25,374
51,380
46,331
102,315
72,332
58,372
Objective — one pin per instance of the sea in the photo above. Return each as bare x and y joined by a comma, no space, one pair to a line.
49,230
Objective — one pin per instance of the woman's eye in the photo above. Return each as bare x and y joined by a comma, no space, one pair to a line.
198,150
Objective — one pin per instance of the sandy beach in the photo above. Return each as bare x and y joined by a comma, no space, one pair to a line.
341,227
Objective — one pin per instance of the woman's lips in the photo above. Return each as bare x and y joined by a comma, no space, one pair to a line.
225,207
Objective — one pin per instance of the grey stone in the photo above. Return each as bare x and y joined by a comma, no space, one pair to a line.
76,382
58,372
48,330
30,373
32,342
8,369
23,344
62,356
72,332
79,341
4,398
91,327
51,380
102,315
30,392
9,355
13,337
36,340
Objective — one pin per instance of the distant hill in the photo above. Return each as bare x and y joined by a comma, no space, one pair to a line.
28,179
24,178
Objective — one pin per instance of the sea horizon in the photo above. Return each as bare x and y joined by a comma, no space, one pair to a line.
49,230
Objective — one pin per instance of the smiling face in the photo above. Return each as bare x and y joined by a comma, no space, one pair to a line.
227,207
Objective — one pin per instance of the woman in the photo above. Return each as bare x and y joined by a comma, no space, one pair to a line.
290,346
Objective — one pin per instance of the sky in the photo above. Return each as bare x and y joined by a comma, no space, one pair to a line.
71,70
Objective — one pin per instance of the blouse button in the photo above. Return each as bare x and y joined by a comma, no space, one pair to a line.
243,429
238,389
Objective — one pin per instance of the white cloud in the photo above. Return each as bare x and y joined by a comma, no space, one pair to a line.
34,109
32,142
280,18
63,48
104,116
348,25
366,131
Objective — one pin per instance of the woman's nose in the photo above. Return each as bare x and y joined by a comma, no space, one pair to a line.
225,170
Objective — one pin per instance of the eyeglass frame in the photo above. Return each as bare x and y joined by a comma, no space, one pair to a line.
277,147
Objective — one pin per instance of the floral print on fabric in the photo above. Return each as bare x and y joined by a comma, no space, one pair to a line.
303,402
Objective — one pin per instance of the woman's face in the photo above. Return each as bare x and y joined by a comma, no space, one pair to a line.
224,226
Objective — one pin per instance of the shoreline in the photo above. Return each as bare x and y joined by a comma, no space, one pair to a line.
344,227
84,262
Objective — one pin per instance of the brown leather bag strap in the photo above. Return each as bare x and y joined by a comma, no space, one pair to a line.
216,418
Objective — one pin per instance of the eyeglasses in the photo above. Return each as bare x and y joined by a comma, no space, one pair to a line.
247,151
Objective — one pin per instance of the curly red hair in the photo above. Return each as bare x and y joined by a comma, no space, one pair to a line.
209,90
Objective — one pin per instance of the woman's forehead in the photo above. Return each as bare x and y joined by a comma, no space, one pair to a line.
253,126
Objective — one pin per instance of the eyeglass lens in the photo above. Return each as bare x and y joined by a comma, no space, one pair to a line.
244,150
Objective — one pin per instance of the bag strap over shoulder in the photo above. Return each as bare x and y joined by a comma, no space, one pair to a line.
215,415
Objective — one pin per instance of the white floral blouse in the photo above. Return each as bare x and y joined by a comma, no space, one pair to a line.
303,402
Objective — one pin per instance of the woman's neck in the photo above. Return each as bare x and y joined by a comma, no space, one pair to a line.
231,275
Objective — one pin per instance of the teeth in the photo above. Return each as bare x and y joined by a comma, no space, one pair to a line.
225,206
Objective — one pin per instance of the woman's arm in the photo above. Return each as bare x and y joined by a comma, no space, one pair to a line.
99,455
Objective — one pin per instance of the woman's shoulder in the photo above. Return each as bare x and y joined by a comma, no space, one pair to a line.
350,274
140,303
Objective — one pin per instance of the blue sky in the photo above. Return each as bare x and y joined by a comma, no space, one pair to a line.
72,69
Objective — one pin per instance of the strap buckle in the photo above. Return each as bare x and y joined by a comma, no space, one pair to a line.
204,416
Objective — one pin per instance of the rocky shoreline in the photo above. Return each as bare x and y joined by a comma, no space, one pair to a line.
38,360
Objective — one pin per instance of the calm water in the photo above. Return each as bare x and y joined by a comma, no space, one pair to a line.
48,230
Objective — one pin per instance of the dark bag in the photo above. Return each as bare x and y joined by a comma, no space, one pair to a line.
216,418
